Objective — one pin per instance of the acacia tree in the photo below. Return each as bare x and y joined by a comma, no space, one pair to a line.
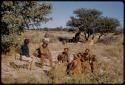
84,20
104,25
16,15
90,21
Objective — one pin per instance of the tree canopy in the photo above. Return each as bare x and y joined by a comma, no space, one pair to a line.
16,15
91,21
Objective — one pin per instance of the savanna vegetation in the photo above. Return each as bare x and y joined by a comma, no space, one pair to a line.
107,46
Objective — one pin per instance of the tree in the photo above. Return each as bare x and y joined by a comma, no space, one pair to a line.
90,21
16,15
20,14
104,25
84,20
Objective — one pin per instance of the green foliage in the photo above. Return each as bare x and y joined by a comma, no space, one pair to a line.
12,40
90,21
16,15
84,17
106,24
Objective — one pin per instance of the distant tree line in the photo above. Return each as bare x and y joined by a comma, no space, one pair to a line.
54,29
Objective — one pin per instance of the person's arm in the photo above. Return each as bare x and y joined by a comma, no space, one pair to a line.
68,57
48,53
29,51
41,51
21,50
35,53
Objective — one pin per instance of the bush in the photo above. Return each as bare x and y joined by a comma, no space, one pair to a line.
11,40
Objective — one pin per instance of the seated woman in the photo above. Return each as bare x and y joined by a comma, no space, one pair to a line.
45,53
25,53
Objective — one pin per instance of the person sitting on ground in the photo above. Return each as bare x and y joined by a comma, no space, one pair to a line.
86,55
25,53
85,65
64,56
75,66
45,53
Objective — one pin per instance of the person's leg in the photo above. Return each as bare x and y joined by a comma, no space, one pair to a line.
25,58
31,60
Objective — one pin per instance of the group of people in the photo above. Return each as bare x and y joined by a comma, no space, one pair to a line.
81,62
76,66
42,52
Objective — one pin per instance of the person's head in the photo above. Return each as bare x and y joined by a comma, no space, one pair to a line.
26,41
79,55
66,49
44,45
87,50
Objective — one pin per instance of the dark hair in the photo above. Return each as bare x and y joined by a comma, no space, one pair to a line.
26,41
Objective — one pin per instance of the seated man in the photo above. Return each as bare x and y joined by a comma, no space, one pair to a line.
90,58
45,53
64,56
75,67
25,53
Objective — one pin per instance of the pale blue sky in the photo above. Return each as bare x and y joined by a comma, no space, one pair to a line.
63,10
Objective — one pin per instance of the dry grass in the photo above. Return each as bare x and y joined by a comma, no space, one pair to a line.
109,65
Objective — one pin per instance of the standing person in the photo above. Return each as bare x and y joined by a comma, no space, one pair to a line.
25,53
46,37
45,53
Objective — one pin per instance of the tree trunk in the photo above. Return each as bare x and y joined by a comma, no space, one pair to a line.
86,36
93,36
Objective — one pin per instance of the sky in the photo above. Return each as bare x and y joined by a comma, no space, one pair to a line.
62,11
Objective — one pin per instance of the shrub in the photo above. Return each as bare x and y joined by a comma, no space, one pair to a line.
11,40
